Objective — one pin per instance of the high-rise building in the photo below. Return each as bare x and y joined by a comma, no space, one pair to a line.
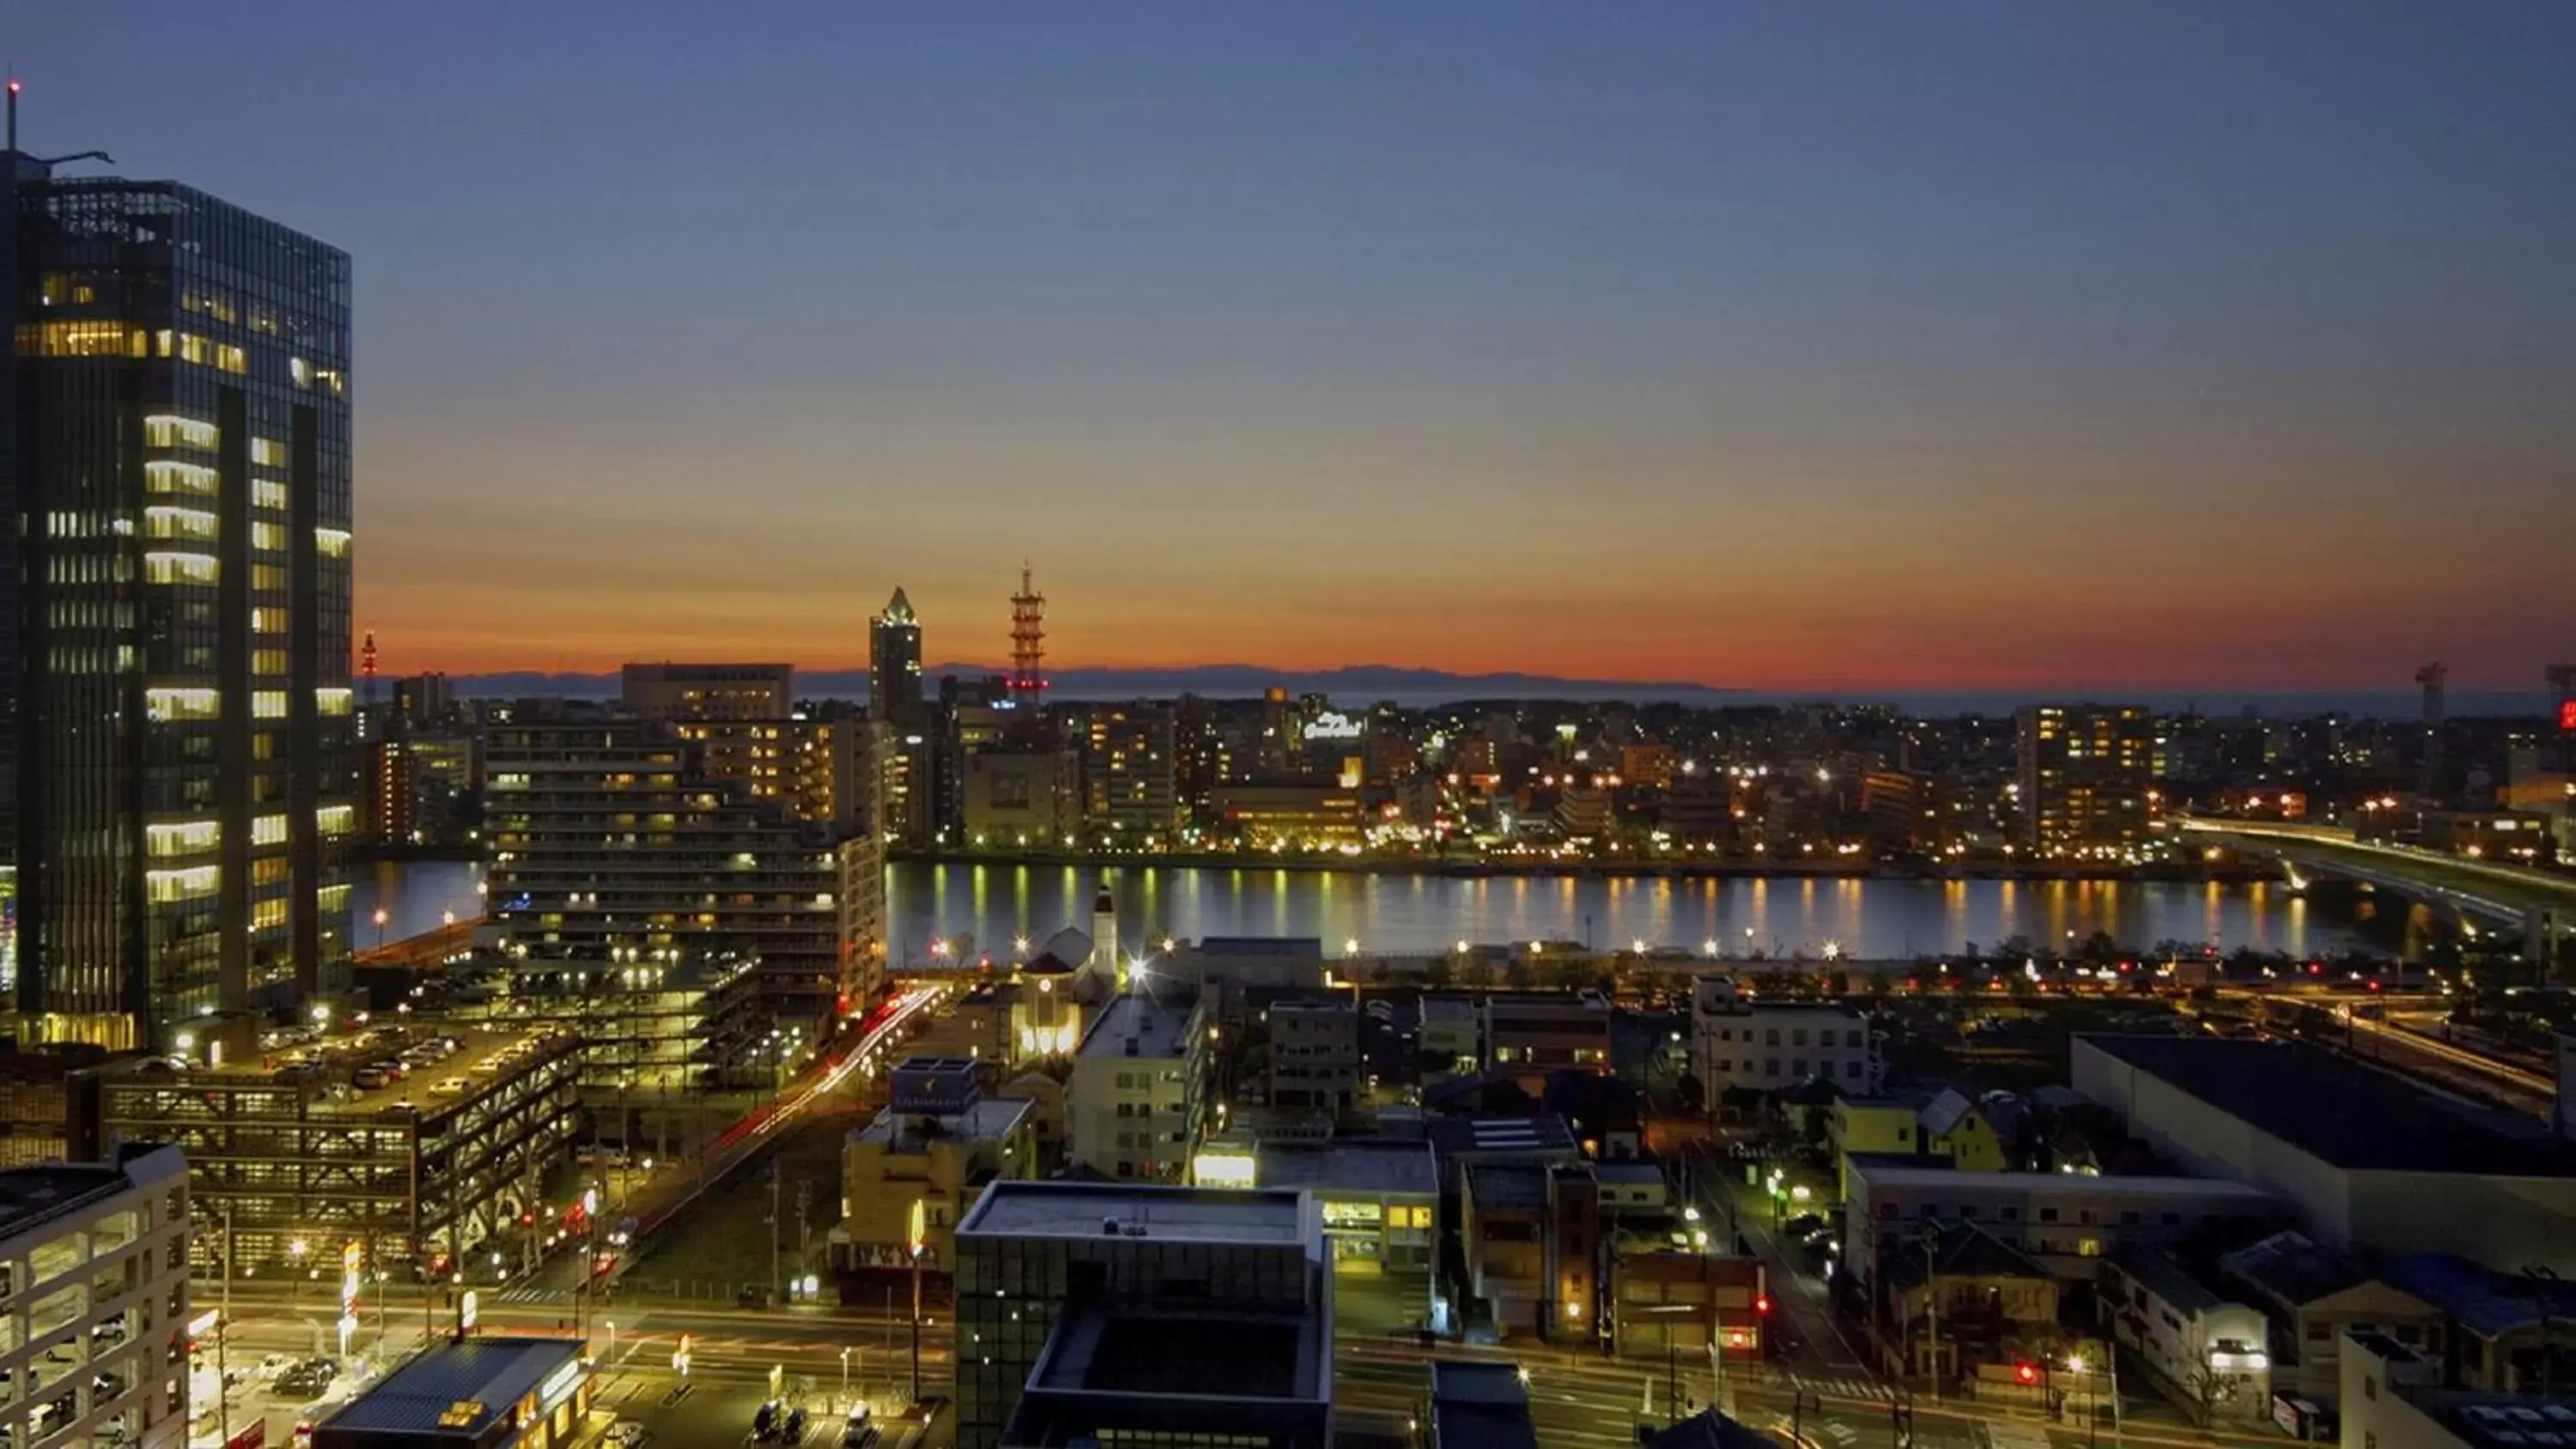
612,837
2086,770
894,666
1130,773
175,701
708,691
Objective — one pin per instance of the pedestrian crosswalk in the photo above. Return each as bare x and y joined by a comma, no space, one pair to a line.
1842,1388
532,1295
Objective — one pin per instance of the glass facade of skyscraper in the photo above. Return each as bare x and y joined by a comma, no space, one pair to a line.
175,653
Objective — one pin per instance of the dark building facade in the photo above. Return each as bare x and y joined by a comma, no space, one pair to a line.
611,839
175,696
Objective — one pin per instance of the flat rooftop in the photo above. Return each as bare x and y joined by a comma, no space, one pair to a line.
1543,1135
1479,1406
1159,1030
1210,1353
1507,1187
1261,1217
989,1118
1868,1168
1350,1166
1259,946
484,1057
30,1195
492,1374
2337,1110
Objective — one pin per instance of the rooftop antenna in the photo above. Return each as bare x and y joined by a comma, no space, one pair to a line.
15,86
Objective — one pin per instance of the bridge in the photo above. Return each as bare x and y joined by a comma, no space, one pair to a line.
429,948
2540,903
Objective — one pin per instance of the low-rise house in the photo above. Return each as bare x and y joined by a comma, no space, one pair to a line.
2393,1398
2502,1333
1532,1236
1952,1296
2208,1353
2312,1297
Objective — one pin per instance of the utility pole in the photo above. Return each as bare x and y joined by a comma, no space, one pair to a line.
223,1331
1930,1241
774,1294
916,1323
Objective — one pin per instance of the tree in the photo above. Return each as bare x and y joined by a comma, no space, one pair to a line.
1437,975
1690,1089
2207,1390
2100,948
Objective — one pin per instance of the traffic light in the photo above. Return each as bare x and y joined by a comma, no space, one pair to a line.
1762,1303
2025,1373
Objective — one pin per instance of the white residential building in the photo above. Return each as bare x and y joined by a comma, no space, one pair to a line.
2391,1400
1136,1101
94,1303
2208,1353
2065,1220
1767,1046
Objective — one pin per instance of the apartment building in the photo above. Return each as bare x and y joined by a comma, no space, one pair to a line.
1137,1098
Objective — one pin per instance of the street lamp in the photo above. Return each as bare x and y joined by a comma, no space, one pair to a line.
381,918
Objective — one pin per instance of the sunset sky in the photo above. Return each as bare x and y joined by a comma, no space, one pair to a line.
1773,345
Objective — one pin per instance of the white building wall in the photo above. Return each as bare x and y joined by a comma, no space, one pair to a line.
1769,1048
2504,1222
93,1317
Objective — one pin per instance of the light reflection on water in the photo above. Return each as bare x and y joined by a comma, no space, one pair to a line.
1869,919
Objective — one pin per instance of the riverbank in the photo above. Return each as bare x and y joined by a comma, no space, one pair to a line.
2190,873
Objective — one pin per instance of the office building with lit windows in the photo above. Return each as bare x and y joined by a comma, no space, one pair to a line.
707,691
175,699
2086,770
894,667
1130,776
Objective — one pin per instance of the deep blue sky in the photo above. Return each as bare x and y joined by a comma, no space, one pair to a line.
1759,344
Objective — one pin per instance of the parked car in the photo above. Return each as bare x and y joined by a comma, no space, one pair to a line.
625,1434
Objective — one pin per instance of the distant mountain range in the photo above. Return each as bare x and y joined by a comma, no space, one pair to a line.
1361,685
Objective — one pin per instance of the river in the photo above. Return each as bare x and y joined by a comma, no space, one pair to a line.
1869,920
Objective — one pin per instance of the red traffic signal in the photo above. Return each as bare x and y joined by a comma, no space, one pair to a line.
2025,1373
1762,1303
